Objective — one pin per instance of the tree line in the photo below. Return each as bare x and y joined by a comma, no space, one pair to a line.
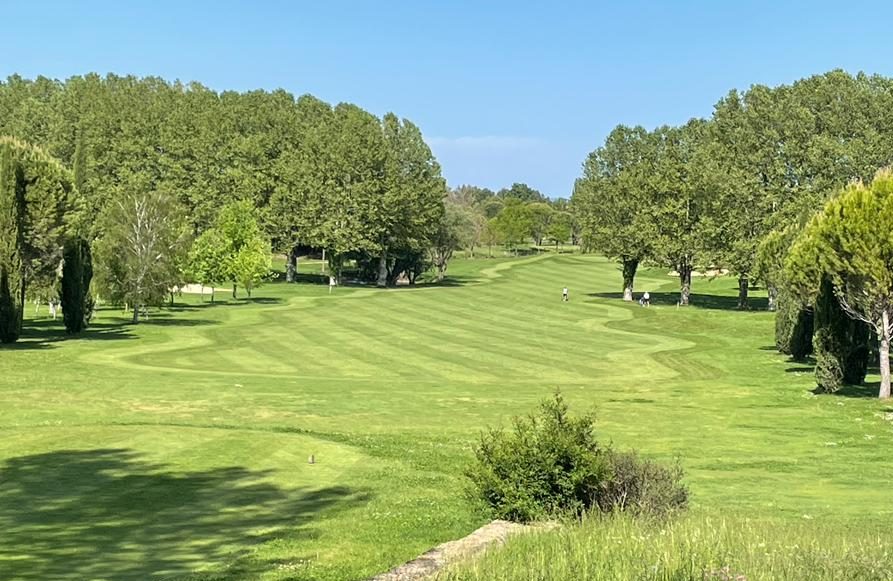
761,189
159,183
512,217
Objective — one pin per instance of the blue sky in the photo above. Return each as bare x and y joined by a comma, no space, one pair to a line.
503,91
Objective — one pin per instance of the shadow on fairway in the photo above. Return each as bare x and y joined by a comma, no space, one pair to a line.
106,513
868,390
44,334
698,301
257,301
320,279
168,321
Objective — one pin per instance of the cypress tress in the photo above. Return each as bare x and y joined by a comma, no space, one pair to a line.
793,326
77,272
12,219
828,340
841,344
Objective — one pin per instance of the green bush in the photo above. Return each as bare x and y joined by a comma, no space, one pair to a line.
643,487
793,326
840,343
548,464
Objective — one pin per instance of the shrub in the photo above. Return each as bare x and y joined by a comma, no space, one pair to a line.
643,487
548,464
840,343
793,326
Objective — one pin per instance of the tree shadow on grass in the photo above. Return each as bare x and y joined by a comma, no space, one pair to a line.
44,334
162,320
699,301
257,301
867,390
107,513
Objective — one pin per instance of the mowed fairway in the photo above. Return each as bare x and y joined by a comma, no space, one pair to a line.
179,448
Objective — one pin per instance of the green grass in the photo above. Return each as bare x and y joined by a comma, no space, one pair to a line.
695,548
178,448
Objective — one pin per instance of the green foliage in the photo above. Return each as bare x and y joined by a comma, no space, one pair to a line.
793,326
520,192
77,273
849,242
455,227
560,227
335,178
251,264
142,248
12,230
840,343
540,214
34,198
513,223
642,487
612,198
549,464
235,249
491,235
208,258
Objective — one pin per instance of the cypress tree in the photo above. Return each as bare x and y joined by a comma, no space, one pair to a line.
12,224
77,272
793,326
841,344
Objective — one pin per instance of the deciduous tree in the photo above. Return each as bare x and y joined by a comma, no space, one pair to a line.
145,234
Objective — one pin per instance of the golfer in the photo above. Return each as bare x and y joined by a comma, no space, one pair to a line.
564,294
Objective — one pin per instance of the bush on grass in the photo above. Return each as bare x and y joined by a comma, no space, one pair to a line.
550,465
643,487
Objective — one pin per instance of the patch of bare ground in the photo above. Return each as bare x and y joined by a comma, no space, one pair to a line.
426,565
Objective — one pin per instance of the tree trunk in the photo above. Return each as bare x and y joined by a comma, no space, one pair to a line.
685,284
489,251
212,295
885,357
743,286
291,265
248,289
382,270
234,290
629,275
136,315
772,291
22,304
172,298
471,251
441,272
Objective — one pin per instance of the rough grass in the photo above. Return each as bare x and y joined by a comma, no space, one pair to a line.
697,548
178,448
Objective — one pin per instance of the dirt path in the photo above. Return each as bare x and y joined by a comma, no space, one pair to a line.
429,563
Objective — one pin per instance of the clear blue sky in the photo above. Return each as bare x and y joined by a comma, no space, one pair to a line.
504,91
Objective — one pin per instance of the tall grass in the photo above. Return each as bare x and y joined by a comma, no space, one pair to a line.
693,548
